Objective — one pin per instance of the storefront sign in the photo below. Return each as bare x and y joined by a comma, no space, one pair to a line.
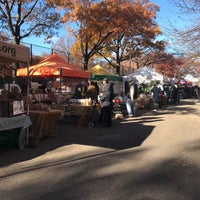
13,53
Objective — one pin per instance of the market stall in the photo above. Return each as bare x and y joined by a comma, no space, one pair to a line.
145,75
98,73
63,76
145,78
60,94
82,111
54,65
191,78
12,114
44,121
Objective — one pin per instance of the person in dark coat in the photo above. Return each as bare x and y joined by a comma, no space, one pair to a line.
156,96
92,92
80,90
106,103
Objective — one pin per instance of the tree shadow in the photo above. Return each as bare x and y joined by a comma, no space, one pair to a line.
168,178
124,134
184,107
127,174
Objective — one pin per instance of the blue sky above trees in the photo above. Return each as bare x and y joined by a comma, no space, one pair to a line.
167,15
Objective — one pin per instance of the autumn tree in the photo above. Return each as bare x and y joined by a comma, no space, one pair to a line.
63,47
149,56
77,56
110,25
91,25
190,67
24,18
169,65
136,34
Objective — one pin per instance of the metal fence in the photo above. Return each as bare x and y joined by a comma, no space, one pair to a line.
37,50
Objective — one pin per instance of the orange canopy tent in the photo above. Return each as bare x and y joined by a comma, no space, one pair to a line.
54,65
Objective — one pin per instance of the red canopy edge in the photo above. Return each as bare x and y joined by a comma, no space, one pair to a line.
54,65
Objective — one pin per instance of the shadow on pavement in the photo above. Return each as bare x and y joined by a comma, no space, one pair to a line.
169,178
110,176
124,134
184,107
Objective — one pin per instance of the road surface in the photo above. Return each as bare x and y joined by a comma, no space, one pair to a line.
154,156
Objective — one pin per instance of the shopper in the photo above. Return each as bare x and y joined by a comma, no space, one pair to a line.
131,98
92,92
156,96
106,103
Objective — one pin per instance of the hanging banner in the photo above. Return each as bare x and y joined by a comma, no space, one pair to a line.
13,53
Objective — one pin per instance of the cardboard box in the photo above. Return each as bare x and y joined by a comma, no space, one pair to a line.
11,107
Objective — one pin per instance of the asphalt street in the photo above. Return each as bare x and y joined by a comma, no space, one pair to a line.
153,156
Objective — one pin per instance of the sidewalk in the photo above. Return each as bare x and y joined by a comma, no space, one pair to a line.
152,156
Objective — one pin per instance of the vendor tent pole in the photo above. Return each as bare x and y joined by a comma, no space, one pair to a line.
4,75
28,89
28,99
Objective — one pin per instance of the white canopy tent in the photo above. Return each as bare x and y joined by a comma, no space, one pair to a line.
191,78
144,75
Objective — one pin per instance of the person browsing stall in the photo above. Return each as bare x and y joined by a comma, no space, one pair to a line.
156,96
106,105
131,97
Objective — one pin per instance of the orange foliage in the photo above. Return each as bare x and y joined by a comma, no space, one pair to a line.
113,14
170,65
101,22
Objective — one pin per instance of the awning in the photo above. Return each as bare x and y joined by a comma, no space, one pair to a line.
109,77
54,65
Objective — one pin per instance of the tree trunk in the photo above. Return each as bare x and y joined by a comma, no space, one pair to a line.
86,61
15,66
118,69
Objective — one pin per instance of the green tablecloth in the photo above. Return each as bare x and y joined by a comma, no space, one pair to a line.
10,129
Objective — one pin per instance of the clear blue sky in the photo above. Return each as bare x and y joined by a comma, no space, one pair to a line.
168,14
